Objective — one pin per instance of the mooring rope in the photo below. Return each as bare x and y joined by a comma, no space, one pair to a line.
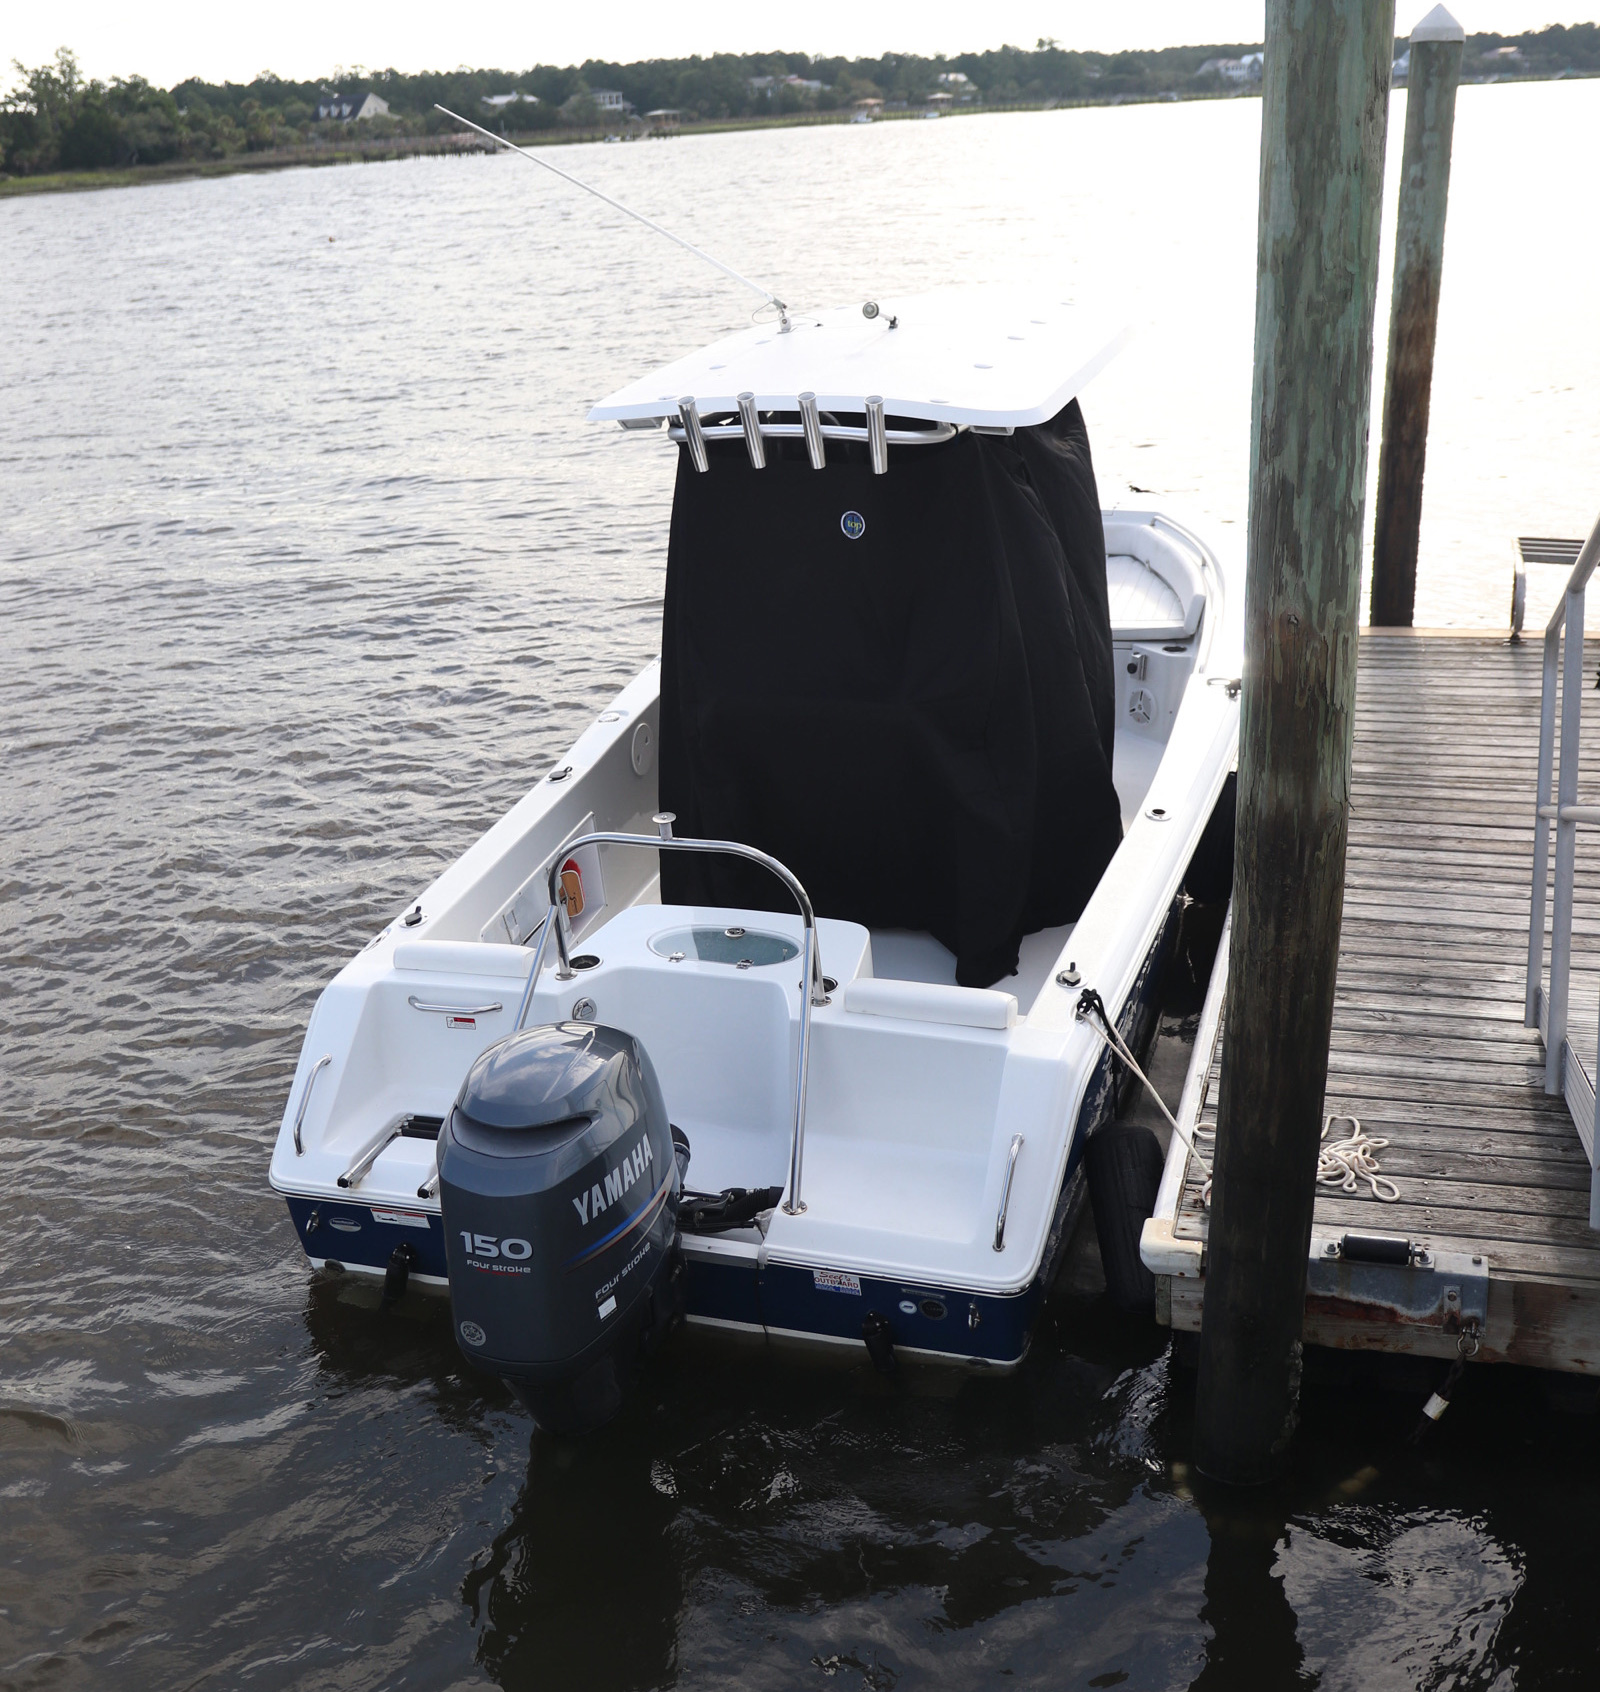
1344,1164
1090,1002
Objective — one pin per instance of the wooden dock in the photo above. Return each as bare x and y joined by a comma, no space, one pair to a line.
1429,1046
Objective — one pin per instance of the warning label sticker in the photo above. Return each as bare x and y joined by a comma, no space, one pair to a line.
836,1280
400,1218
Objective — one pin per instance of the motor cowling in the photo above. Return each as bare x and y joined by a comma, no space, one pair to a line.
559,1190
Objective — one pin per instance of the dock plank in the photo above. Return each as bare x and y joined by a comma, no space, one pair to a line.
1429,1047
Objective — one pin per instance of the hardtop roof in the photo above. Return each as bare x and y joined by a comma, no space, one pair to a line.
988,357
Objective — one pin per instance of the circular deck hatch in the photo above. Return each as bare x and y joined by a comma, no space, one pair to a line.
750,947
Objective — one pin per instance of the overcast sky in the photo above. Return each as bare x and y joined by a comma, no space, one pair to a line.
168,40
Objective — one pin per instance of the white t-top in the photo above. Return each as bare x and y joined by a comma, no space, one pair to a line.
983,356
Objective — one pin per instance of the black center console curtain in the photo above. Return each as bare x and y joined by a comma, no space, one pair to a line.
900,686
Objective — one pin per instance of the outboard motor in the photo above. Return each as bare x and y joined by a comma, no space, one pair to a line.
559,1189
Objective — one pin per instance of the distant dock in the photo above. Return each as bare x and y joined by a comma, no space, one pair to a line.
1430,1049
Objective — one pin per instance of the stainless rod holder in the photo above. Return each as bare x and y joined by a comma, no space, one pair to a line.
430,1188
935,436
693,434
664,821
811,987
362,1167
877,439
751,424
811,423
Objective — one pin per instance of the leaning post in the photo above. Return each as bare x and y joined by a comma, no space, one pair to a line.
1325,102
1414,313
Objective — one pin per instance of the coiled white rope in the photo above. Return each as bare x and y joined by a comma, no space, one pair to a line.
1346,1163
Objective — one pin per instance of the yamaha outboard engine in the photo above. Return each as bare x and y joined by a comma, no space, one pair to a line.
559,1190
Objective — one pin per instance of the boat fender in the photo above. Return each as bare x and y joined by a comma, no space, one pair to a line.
878,1337
397,1274
1123,1164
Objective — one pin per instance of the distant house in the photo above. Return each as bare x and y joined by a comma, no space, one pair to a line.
771,85
664,117
958,85
501,100
609,102
1401,68
1236,71
351,108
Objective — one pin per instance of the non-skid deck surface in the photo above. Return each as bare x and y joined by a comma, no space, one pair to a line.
1429,1048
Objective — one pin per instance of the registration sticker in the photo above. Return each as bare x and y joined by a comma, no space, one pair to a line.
836,1280
401,1218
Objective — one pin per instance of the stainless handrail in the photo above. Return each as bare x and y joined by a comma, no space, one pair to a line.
811,971
1566,622
454,1010
1005,1194
305,1099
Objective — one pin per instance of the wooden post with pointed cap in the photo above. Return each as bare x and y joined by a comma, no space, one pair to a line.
1434,70
1324,119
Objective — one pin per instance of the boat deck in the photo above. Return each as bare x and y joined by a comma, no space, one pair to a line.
1429,1047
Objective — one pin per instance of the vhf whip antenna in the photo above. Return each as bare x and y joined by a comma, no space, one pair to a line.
688,246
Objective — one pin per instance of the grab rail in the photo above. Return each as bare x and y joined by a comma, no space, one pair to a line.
305,1099
1005,1193
1558,762
810,973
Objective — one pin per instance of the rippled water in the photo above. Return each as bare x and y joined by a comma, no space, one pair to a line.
308,564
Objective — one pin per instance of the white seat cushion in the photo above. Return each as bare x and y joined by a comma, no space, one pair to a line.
927,1001
463,957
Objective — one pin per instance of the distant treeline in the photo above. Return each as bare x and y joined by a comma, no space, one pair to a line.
54,119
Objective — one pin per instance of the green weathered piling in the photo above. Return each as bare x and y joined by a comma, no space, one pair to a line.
1325,101
1435,69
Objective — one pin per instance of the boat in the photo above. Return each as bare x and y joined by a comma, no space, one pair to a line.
784,1001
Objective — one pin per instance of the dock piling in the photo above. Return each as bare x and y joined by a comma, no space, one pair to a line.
1435,69
1324,121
